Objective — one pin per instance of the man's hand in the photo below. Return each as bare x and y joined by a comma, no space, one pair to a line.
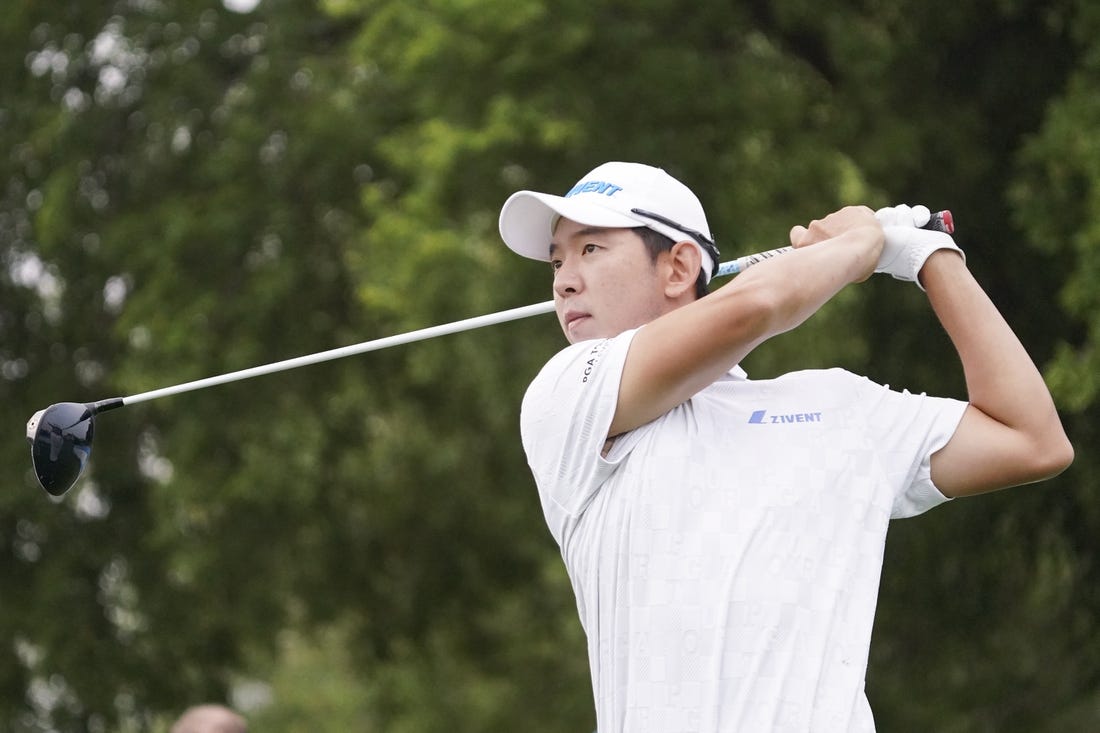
838,222
852,226
907,246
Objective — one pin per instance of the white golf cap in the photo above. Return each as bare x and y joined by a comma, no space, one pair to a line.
613,195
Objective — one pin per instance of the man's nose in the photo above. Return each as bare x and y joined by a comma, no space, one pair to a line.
567,280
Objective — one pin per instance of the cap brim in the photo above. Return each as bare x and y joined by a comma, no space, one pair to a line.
527,219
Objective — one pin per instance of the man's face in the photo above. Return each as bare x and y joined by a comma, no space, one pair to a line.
605,281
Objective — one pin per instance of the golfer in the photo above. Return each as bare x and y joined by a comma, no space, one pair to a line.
724,536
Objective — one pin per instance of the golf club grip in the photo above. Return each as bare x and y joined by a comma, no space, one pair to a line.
941,221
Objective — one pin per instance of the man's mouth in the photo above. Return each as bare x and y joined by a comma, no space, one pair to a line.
573,317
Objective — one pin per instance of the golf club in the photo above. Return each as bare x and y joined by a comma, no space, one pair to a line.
61,435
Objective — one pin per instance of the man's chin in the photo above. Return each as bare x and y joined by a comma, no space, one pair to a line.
579,329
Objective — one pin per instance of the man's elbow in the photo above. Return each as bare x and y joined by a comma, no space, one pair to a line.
1050,457
1061,456
987,456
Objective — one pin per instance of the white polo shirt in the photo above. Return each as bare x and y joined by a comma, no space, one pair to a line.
726,556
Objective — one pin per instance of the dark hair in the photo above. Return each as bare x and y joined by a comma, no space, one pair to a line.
657,243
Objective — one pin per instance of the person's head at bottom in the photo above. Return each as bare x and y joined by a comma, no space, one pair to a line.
210,718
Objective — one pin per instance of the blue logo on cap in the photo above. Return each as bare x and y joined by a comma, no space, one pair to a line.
607,189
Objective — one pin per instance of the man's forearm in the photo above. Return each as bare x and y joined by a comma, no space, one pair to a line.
1018,436
1001,379
798,284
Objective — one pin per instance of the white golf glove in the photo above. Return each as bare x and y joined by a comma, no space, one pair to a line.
907,246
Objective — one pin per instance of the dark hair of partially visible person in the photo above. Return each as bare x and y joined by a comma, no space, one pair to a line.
210,718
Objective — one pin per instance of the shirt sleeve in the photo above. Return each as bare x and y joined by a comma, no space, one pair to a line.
907,429
564,420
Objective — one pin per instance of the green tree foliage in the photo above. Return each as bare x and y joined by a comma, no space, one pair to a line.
188,191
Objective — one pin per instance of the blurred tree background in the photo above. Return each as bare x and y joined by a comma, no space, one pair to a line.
189,188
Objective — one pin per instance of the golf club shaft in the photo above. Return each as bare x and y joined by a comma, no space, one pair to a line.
422,334
940,220
469,324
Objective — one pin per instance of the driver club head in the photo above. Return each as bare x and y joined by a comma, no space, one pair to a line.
61,442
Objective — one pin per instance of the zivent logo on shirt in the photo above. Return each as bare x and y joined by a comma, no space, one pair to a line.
763,417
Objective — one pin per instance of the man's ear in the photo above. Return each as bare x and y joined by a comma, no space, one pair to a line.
684,262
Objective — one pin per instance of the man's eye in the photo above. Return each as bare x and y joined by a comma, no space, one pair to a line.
555,265
590,248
